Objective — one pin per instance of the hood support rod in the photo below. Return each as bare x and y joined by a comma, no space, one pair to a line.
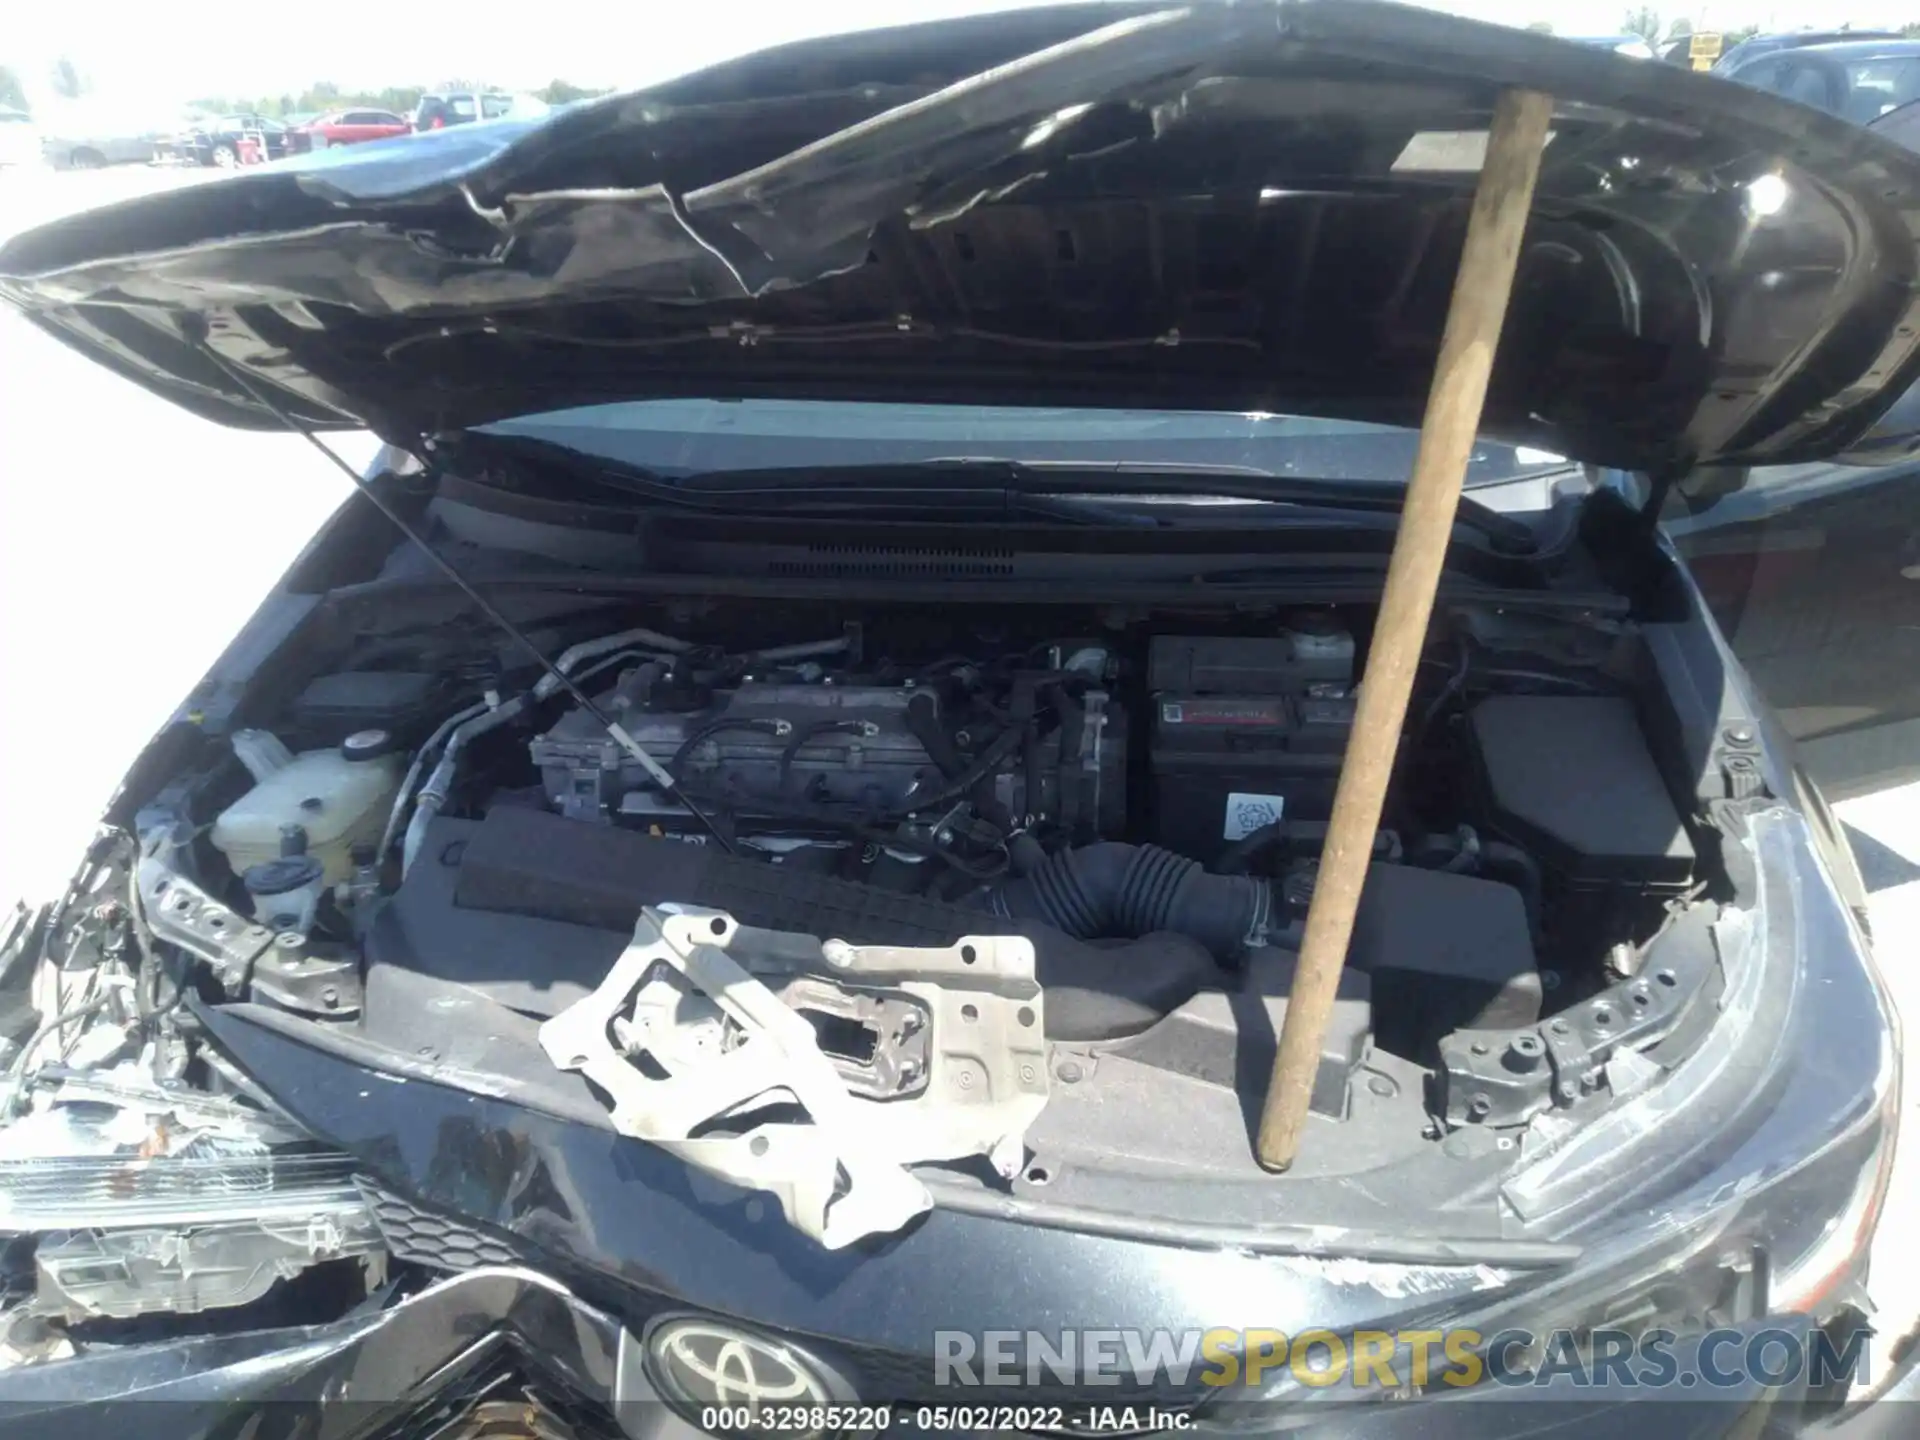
1501,203
563,681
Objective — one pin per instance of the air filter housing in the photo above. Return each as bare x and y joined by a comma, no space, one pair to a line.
1571,780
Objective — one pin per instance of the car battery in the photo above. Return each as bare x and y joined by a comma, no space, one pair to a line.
1225,765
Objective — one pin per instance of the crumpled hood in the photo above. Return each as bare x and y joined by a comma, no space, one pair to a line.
1253,206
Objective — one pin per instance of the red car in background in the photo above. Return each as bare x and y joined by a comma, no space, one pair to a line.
350,127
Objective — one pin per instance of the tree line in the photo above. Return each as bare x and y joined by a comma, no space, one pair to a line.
65,79
324,96
68,81
1647,23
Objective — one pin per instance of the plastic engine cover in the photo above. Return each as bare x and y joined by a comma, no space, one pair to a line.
849,745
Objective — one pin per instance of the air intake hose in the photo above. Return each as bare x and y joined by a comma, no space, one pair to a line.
1112,891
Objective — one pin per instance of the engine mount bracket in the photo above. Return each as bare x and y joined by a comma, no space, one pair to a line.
719,1047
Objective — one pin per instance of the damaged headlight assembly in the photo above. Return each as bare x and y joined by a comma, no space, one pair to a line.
124,1190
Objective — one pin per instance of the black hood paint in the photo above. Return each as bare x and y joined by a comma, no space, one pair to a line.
1209,206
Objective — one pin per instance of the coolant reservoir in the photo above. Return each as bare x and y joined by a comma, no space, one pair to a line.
339,797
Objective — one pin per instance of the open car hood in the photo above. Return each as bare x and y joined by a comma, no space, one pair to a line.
1254,207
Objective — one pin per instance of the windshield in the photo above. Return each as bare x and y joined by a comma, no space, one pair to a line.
680,437
1878,86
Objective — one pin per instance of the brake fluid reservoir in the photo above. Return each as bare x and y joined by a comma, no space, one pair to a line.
340,797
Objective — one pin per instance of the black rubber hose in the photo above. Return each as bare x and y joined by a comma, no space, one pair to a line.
804,735
923,723
984,764
1238,857
1073,725
707,731
1115,891
1025,854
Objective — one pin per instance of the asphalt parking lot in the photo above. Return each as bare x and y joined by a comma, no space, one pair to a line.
135,539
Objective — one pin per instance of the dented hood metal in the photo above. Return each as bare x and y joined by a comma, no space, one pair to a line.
1252,207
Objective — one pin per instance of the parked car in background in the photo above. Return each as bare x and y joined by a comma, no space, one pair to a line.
1902,124
221,141
1754,46
19,139
438,111
1813,572
85,136
1634,45
1860,80
348,127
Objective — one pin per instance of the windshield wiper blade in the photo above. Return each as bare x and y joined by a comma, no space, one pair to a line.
621,477
698,494
1113,480
1024,486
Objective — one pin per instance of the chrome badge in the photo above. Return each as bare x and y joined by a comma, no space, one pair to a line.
704,1365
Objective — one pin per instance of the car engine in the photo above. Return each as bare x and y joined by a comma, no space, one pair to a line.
1096,831
806,747
1143,801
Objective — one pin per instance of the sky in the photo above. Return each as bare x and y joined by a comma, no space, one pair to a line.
142,54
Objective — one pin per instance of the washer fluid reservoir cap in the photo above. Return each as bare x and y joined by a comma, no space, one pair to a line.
282,876
366,745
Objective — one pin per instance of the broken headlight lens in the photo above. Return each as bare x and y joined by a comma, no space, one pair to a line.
139,1198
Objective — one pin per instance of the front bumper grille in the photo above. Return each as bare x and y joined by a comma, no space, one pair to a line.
505,1401
903,1380
433,1239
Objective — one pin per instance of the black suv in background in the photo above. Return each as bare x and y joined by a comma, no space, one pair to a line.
1860,80
1754,46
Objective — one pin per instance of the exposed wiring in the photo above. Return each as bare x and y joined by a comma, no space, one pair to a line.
17,1068
806,734
412,778
1456,685
702,733
984,764
620,657
1548,677
147,976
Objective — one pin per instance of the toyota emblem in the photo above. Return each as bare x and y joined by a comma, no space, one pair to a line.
703,1365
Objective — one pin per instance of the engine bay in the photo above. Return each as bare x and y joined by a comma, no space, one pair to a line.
1144,802
1121,810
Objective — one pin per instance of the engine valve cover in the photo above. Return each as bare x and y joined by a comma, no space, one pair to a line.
847,746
